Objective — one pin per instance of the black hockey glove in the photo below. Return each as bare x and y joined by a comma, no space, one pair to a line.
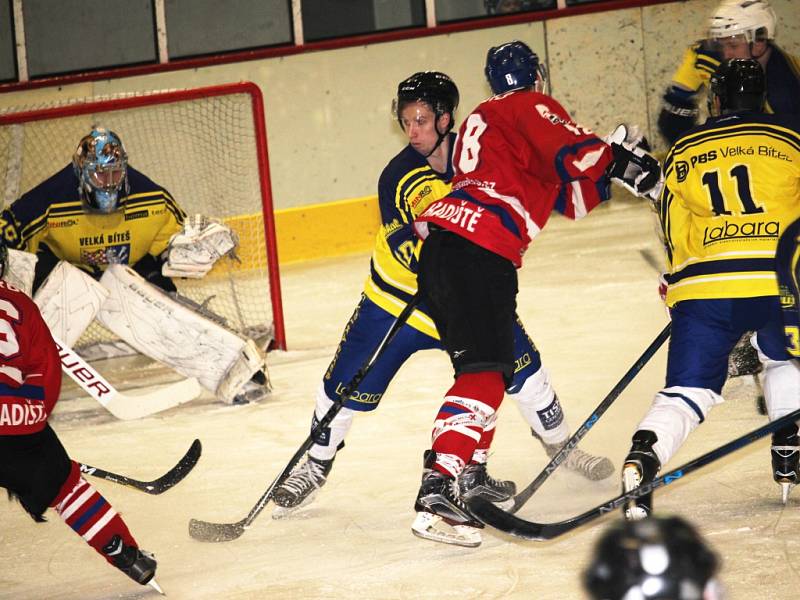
678,114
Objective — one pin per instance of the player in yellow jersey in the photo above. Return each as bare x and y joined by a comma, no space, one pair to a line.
418,175
100,219
732,186
737,29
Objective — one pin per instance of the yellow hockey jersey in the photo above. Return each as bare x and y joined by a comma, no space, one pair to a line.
731,187
406,187
52,215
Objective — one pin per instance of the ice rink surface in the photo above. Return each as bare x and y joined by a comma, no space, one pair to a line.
588,299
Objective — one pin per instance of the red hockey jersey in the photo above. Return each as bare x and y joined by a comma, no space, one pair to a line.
519,156
30,368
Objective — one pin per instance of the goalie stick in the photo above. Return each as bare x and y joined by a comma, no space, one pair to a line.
507,522
205,531
124,406
579,434
158,486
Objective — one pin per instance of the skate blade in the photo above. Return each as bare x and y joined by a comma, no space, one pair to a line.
786,487
154,584
284,512
432,527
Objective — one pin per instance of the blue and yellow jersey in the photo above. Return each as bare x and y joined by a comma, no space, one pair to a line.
782,70
788,264
731,187
52,214
406,187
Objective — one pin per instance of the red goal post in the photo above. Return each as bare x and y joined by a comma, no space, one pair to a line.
208,147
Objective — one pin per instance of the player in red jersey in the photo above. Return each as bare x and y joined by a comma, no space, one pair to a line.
518,157
34,467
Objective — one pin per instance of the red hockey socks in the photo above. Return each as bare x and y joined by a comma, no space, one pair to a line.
89,514
466,420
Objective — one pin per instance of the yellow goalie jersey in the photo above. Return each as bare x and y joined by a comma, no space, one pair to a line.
406,187
731,188
51,217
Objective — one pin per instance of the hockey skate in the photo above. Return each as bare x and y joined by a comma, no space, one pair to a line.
442,516
785,458
136,563
641,466
255,390
300,488
475,481
594,468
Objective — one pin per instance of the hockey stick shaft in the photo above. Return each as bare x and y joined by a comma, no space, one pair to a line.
223,532
157,486
561,456
507,522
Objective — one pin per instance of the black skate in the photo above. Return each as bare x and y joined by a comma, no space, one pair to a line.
594,468
442,516
641,466
785,458
136,563
475,482
300,488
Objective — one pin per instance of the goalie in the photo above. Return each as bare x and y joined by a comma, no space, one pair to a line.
104,241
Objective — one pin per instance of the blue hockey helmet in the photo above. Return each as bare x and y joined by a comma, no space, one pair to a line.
658,558
512,66
101,165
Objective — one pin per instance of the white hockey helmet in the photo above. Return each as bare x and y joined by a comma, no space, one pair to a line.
753,19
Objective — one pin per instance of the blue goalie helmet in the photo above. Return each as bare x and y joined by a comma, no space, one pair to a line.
513,66
101,165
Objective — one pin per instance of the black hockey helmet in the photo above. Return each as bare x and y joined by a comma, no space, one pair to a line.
740,84
433,88
655,558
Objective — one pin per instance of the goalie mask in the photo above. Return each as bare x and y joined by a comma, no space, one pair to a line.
754,20
101,165
740,85
514,66
655,558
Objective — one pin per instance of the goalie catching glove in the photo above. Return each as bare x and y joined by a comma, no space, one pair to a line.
193,252
633,167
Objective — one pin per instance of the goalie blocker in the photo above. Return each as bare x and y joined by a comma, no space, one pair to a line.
155,324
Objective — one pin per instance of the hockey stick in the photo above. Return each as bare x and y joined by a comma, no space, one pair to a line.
124,406
158,486
504,521
205,531
562,454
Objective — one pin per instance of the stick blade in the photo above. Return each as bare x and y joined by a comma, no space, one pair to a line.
135,406
203,531
506,522
177,473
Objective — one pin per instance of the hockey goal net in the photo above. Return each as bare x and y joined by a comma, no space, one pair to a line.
207,147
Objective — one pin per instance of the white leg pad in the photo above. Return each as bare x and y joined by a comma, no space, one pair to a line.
69,299
539,406
781,382
167,331
339,427
676,412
